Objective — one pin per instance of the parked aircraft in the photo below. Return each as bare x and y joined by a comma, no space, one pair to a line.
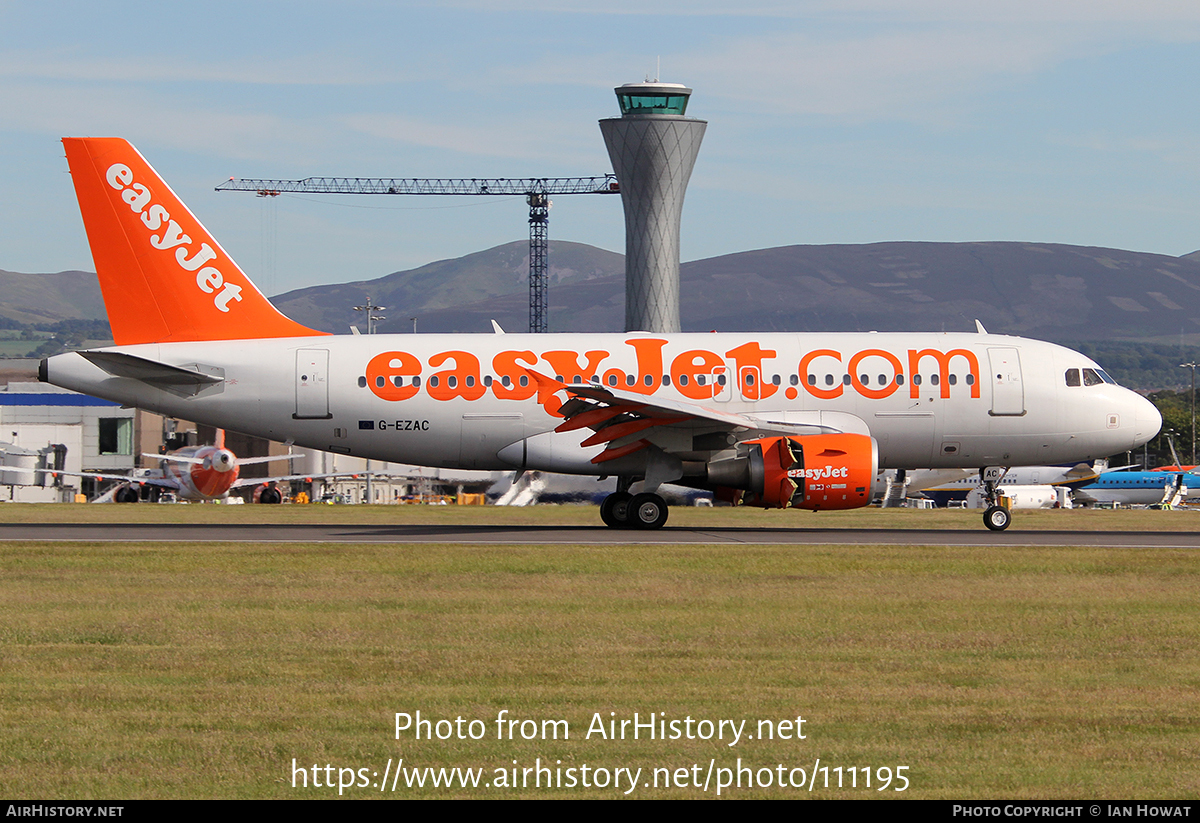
198,473
940,488
771,420
1140,488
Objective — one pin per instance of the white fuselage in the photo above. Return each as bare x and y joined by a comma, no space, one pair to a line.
929,400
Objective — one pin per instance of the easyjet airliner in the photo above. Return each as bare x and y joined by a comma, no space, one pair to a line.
771,420
197,473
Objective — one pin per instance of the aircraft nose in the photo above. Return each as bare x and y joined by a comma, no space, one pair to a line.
1146,420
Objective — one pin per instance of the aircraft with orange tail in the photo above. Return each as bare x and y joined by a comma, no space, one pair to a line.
196,473
800,420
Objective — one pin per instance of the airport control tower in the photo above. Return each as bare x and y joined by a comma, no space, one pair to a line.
653,148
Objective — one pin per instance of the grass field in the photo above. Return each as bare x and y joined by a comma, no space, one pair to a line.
685,516
202,670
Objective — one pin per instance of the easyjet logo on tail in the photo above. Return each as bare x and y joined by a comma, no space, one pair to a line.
166,235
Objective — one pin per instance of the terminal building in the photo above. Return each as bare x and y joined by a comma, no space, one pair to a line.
43,426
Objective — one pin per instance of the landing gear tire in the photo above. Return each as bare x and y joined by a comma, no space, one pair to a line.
614,511
647,511
997,518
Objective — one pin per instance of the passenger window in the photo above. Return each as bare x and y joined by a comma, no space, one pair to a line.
1072,377
916,379
829,380
362,382
954,380
845,380
933,379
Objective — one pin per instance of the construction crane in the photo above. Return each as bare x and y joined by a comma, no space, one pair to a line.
536,190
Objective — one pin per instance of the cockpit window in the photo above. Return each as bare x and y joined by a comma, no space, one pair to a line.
1104,376
1073,377
1091,377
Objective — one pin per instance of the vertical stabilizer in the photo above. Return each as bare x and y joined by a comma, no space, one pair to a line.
163,276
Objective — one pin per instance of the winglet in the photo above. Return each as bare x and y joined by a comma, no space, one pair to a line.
163,276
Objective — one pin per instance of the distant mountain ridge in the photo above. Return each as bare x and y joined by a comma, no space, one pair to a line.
1044,290
32,299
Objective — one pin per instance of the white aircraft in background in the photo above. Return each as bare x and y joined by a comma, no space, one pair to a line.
771,420
196,473
944,485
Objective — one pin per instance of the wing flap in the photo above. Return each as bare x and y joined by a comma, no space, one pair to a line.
601,408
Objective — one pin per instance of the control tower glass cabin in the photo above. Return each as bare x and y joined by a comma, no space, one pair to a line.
653,148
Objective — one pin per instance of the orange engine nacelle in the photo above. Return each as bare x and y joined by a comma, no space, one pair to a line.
820,471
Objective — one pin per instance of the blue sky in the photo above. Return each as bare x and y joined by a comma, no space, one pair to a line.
833,121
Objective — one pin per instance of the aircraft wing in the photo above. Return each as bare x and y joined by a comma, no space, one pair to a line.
151,481
619,418
247,461
241,461
174,458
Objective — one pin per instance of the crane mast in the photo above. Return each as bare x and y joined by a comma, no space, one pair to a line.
536,190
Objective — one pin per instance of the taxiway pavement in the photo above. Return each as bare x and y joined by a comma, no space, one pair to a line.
482,535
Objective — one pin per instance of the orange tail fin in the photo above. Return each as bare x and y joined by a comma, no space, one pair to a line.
163,276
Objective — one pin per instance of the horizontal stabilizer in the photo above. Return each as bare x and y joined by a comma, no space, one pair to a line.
160,375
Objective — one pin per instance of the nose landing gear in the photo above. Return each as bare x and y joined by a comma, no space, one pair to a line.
996,517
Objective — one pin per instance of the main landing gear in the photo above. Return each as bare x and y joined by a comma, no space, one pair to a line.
622,510
996,517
